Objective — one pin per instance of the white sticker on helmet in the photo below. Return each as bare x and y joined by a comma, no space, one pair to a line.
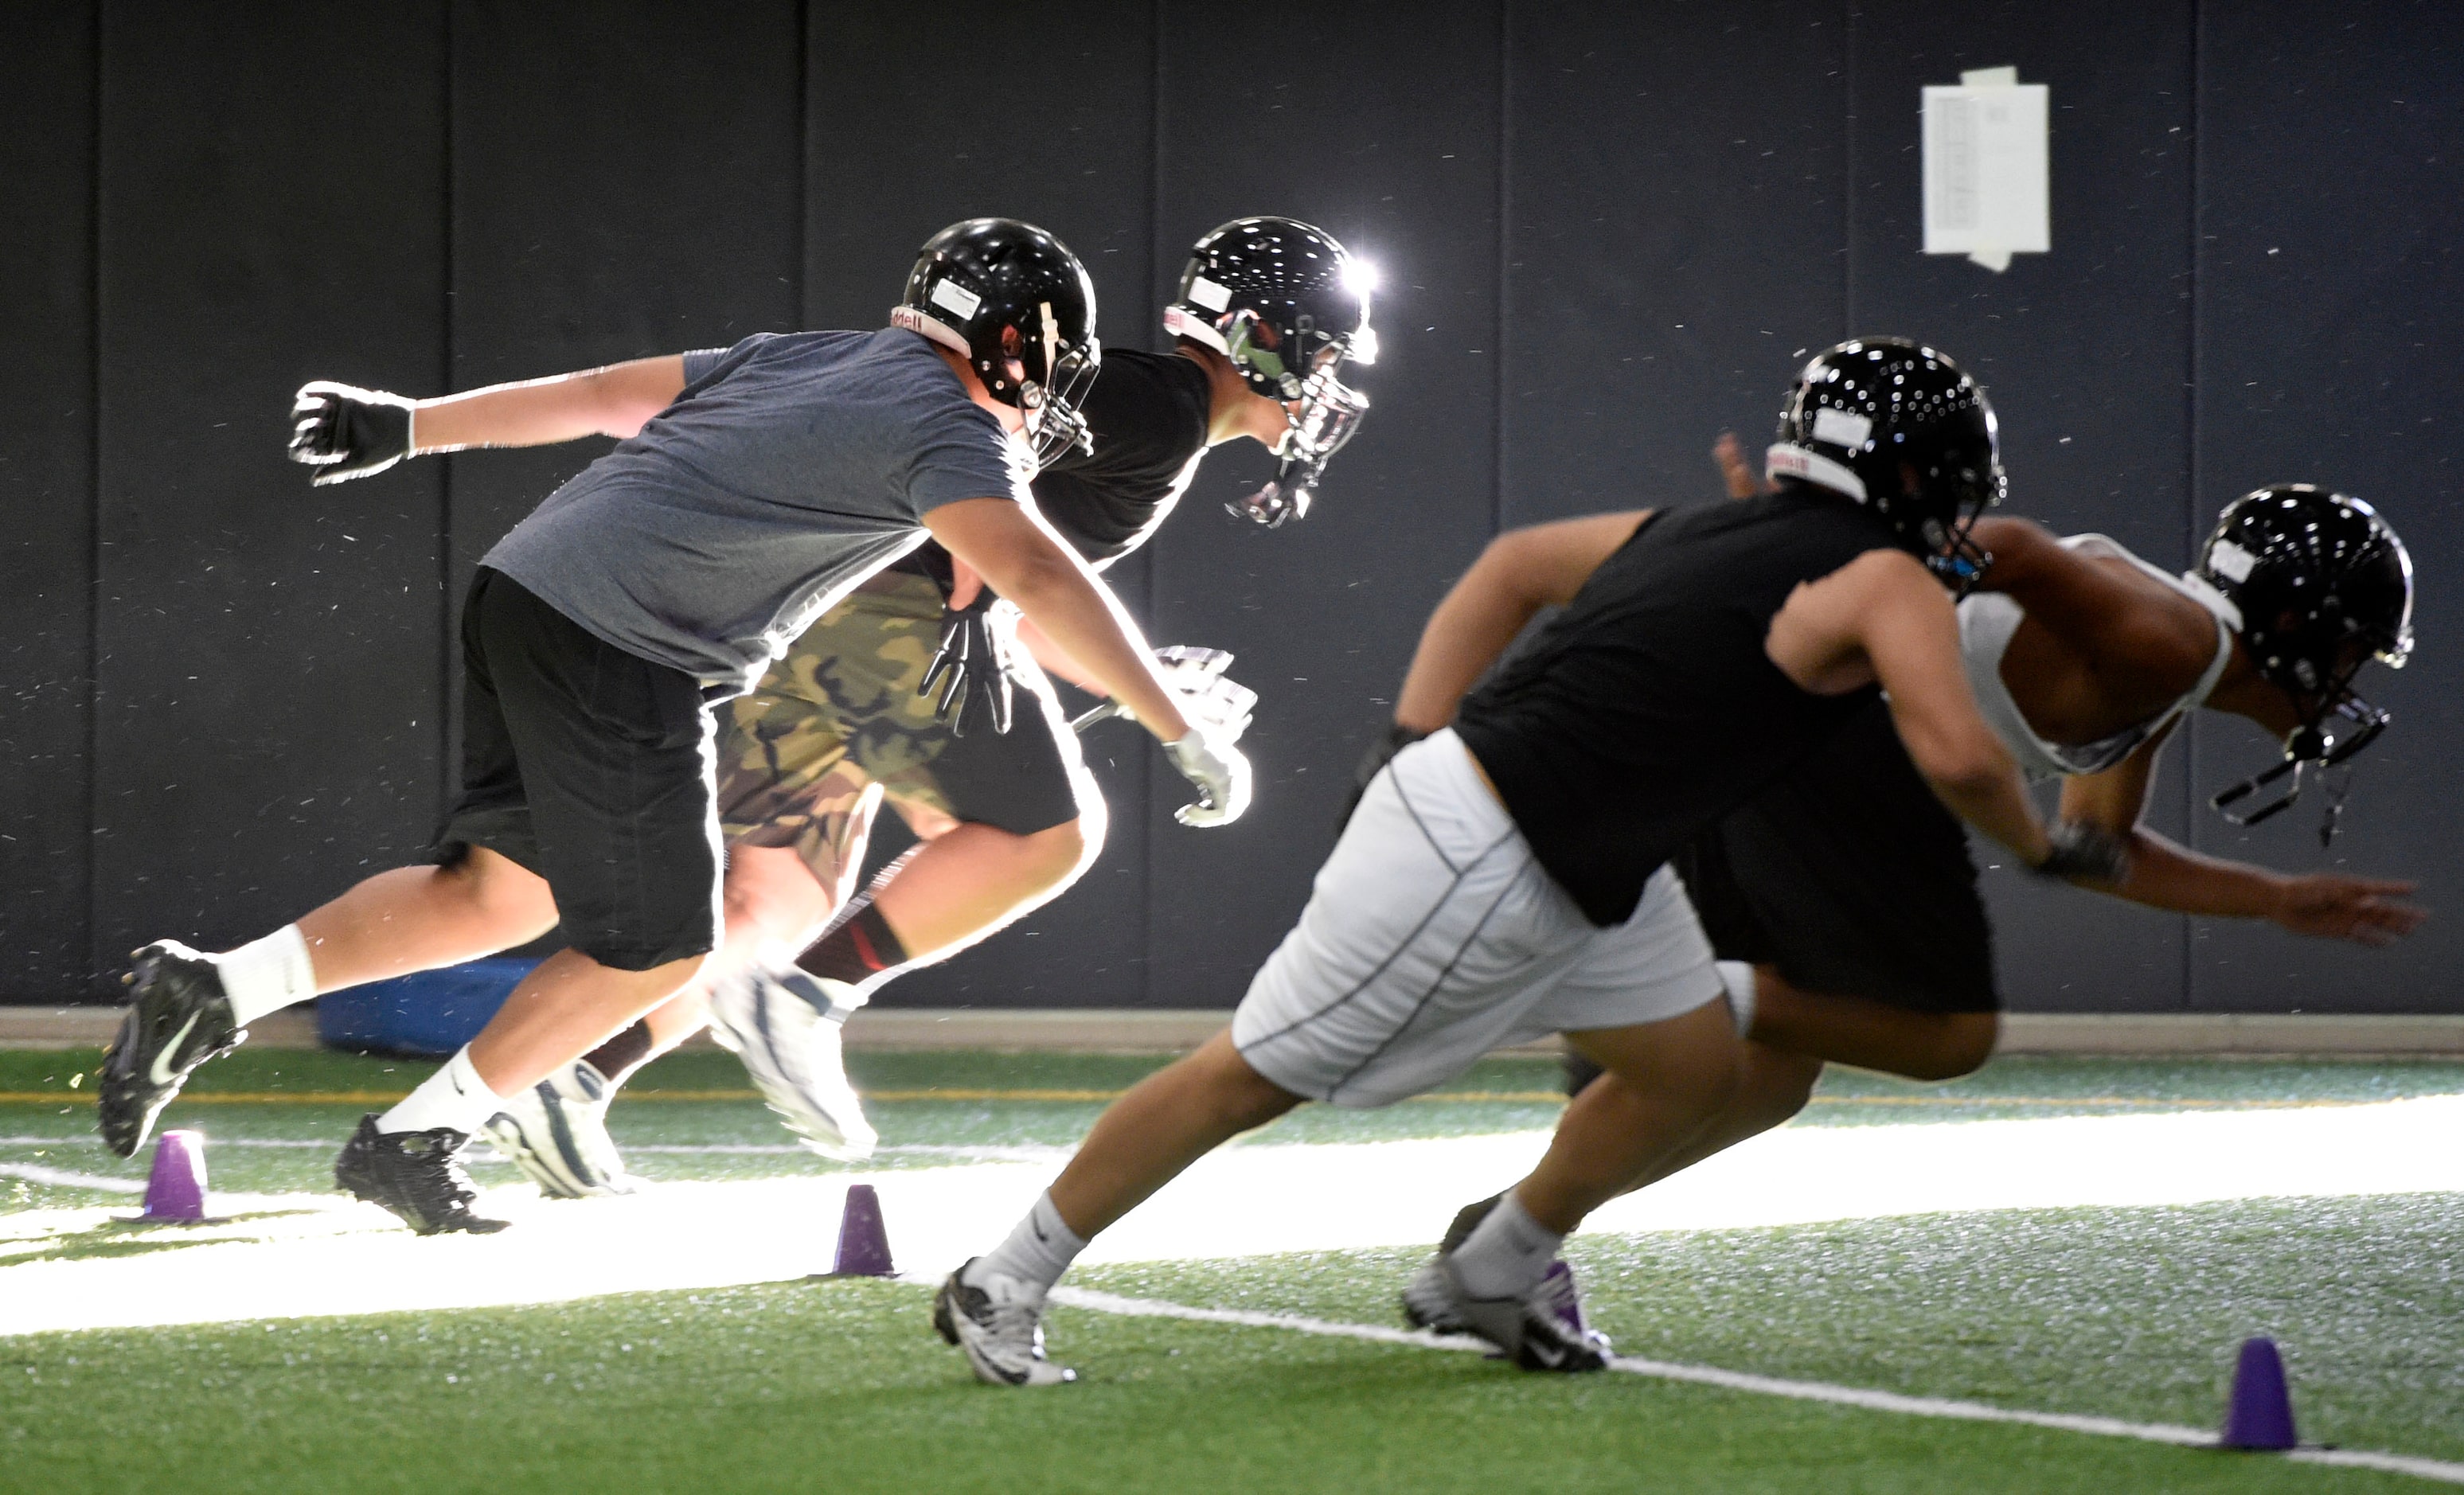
1205,293
1841,428
2229,560
953,296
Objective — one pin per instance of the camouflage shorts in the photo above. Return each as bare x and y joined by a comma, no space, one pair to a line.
838,725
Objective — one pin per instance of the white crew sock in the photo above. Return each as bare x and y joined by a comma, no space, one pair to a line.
267,975
1039,1250
453,1097
1739,978
1507,1253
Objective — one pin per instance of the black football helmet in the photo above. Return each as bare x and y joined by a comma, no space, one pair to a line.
2322,586
1288,306
1000,292
1902,428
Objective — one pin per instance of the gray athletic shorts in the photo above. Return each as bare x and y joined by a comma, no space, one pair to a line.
1432,936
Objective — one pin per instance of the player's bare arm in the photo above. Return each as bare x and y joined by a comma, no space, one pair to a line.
2165,874
1884,619
345,431
615,400
1519,573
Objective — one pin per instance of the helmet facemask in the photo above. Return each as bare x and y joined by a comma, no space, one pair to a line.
1320,419
1056,382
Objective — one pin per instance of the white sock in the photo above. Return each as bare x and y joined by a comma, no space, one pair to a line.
1039,1250
1507,1253
1739,978
267,975
453,1097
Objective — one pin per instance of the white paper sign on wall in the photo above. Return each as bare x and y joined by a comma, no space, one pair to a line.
1984,168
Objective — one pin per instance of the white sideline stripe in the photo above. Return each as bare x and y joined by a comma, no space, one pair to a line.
36,1173
1761,1385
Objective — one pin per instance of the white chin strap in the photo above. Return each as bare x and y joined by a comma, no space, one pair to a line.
1784,461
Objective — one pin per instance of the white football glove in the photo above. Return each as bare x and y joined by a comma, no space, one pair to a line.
1221,773
1203,692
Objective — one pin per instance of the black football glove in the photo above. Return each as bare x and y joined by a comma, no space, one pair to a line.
1382,749
970,669
344,431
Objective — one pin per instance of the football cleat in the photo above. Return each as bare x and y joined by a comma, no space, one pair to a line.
556,1132
417,1175
179,1020
785,1025
1550,1335
1539,1329
999,1322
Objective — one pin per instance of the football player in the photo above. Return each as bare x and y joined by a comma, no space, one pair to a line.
1270,315
1507,875
1843,900
755,486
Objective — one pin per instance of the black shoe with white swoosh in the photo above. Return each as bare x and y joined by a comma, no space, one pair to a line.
417,1175
180,1019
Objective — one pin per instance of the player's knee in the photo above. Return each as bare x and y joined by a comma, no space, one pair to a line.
1057,854
497,891
1960,1044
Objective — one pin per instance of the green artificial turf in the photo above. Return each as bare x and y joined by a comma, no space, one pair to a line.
837,1385
2132,1313
840,1386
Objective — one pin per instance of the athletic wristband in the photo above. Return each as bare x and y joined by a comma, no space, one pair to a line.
2083,851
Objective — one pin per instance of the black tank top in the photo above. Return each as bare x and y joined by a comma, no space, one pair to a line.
1647,710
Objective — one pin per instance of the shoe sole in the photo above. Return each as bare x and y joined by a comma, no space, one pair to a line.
354,1182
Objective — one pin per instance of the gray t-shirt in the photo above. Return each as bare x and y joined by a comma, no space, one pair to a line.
793,466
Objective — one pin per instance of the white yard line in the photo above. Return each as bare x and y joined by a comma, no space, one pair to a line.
1761,1385
36,1173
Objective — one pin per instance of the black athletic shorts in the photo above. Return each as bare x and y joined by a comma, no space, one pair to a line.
1850,877
591,767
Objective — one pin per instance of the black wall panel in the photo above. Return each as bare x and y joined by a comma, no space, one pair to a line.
2331,307
267,689
1673,240
2086,351
1395,150
624,185
46,490
899,144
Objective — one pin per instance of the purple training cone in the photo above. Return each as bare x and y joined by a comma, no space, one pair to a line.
864,1241
176,1190
2259,1415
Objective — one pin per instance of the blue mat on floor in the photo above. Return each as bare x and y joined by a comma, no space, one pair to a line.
428,1013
